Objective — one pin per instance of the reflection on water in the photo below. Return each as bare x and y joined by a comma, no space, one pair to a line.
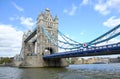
88,71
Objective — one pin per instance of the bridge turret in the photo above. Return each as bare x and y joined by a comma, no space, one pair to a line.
50,23
56,19
56,22
45,18
36,43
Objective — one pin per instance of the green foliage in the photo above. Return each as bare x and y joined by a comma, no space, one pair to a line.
5,60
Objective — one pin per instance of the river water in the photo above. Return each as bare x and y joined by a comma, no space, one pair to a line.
84,71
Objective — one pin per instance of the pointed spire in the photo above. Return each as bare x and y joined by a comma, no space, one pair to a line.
47,9
56,17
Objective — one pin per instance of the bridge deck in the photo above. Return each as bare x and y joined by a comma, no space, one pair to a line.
100,50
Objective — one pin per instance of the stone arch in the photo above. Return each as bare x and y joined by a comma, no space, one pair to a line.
48,50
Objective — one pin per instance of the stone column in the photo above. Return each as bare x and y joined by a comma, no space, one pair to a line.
35,49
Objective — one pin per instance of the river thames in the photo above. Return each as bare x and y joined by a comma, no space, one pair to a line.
84,71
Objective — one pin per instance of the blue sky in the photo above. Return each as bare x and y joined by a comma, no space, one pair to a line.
81,20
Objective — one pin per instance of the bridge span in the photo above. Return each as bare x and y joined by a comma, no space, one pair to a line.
99,50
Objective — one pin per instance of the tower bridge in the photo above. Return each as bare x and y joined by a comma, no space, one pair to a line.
40,46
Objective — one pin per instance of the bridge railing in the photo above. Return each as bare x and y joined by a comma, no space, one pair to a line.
101,47
88,51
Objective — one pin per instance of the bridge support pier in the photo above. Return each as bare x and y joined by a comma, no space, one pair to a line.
55,62
38,61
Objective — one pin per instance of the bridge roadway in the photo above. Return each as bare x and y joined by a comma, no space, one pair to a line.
99,50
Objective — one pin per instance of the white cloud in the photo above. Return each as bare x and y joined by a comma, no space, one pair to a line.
15,17
114,4
106,7
85,2
71,11
112,41
10,40
112,22
28,22
17,7
102,8
25,21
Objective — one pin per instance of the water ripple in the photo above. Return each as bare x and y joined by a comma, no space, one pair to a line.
84,71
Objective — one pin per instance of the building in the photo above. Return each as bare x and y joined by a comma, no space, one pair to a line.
114,60
36,43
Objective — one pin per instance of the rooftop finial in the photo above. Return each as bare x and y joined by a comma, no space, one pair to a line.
47,9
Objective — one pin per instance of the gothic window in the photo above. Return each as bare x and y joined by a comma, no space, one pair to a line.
49,27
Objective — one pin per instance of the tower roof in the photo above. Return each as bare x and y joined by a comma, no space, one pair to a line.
47,9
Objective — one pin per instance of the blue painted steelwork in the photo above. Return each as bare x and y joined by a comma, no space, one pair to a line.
65,37
31,35
100,50
76,45
55,41
53,37
105,37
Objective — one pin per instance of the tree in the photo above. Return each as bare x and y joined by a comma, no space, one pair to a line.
5,60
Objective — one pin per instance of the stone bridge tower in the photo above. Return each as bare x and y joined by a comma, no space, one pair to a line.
35,43
50,23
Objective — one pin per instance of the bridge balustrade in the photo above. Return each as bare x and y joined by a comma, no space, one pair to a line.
98,47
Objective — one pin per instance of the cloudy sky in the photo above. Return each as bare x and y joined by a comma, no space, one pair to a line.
81,20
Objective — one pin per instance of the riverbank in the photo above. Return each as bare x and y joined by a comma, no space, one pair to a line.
2,65
6,65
